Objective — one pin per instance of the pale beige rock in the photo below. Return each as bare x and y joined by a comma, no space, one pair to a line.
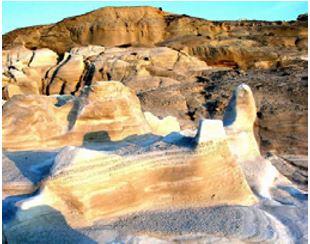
163,126
18,56
239,120
63,78
110,108
113,108
24,70
209,130
32,120
119,63
43,57
87,186
87,51
10,90
264,64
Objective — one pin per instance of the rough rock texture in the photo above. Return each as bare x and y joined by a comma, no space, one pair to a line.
269,56
149,188
234,43
239,118
37,121
142,173
155,180
23,70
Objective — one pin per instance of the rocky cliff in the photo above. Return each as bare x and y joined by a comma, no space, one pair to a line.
228,43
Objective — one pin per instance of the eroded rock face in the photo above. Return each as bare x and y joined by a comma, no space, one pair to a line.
184,87
93,185
23,70
36,121
139,68
239,119
152,184
149,181
230,43
107,26
136,173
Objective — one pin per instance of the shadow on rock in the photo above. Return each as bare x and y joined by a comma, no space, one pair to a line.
9,207
43,224
100,140
34,165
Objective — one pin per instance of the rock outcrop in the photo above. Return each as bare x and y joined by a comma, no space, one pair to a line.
176,187
233,43
107,108
24,70
239,119
139,68
145,182
185,88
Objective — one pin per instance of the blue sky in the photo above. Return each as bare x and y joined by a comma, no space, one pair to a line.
20,14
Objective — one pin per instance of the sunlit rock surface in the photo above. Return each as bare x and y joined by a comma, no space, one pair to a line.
38,122
183,187
24,69
167,154
174,83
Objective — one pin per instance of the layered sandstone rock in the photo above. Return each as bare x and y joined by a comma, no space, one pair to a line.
239,119
148,181
178,187
150,67
23,70
171,177
137,176
36,121
242,43
107,26
185,88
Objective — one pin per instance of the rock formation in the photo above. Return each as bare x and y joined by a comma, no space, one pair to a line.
185,88
37,121
269,56
23,70
234,43
239,119
143,184
119,126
